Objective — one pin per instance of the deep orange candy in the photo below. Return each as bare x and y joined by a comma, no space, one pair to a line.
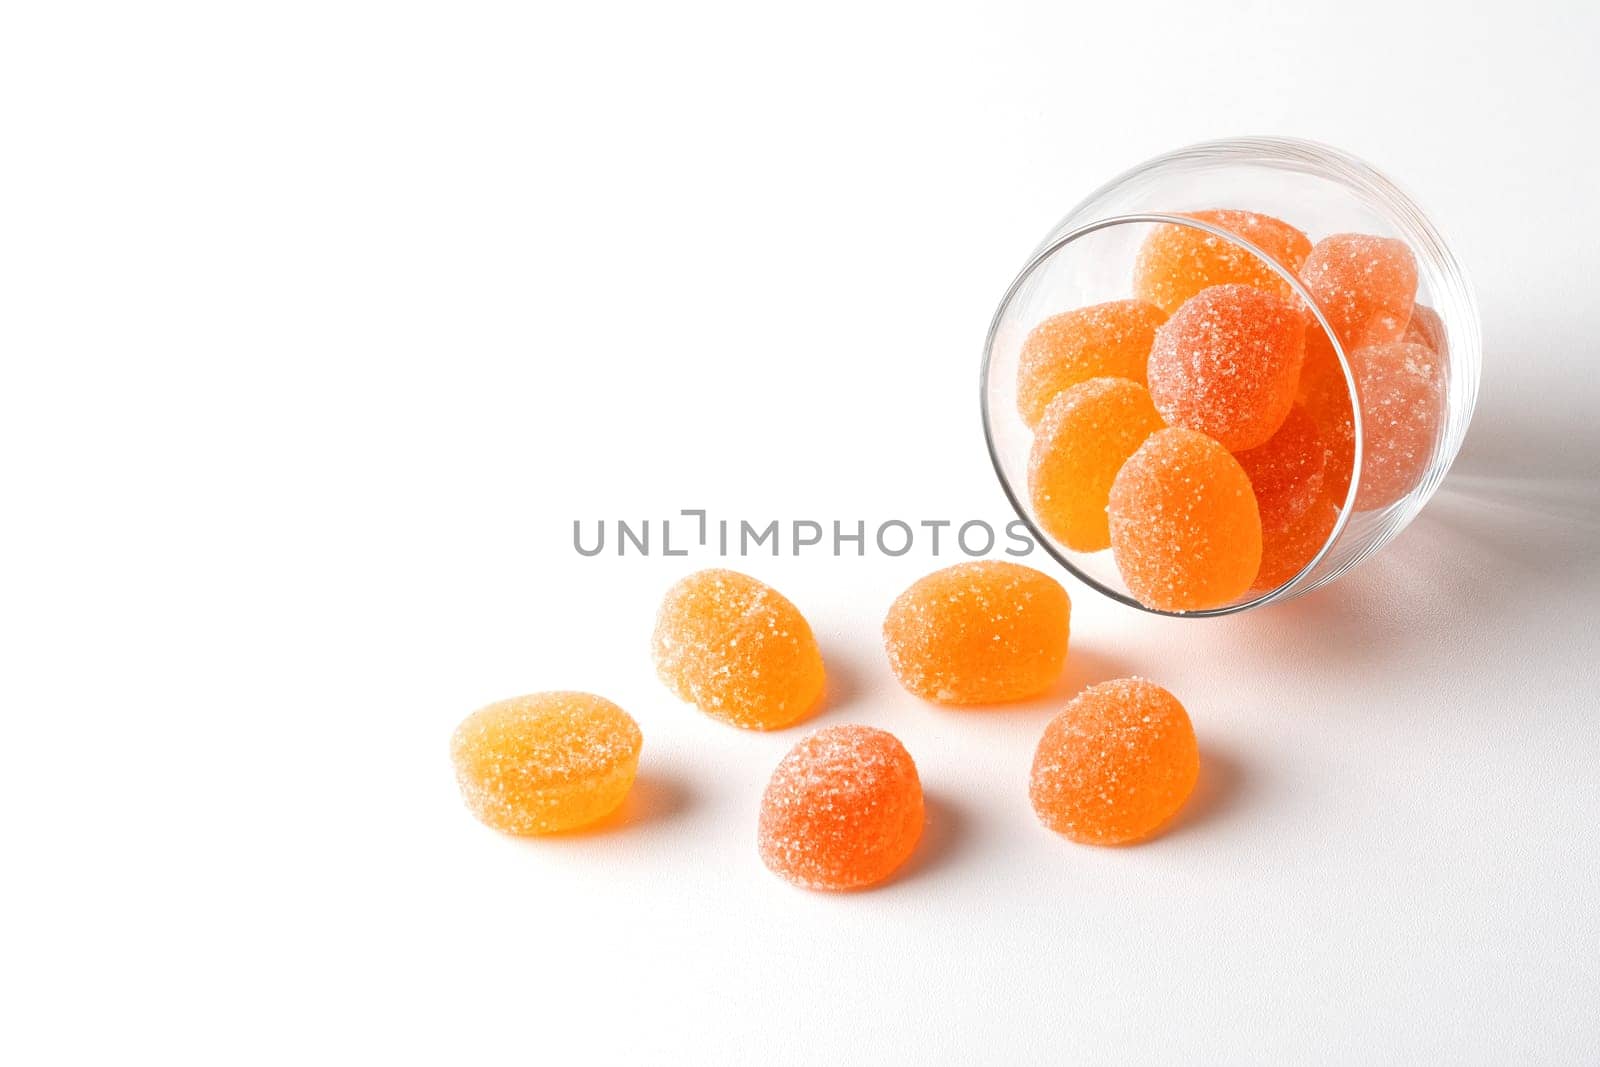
1116,763
1185,531
1227,363
1176,262
1286,472
1402,390
1324,394
1103,340
1087,433
546,762
738,650
979,633
1365,285
843,810
1287,549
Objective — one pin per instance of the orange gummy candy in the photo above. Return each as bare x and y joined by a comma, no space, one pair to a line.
1286,549
1324,394
1365,285
1185,531
842,811
1115,764
1226,364
546,762
978,633
1087,433
1401,385
1286,472
1176,262
1425,328
737,650
1103,340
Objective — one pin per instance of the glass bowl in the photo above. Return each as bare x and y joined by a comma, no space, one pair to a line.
1088,258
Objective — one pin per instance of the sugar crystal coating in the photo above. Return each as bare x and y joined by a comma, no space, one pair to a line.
978,633
1102,340
843,810
1401,386
1115,764
1402,389
1176,262
1185,530
1285,550
1087,433
737,650
1226,364
1286,471
546,762
1365,285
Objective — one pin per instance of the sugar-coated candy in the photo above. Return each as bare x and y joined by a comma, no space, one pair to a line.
1103,340
1365,285
1185,530
1226,364
1176,262
1087,433
1402,388
738,650
1324,394
546,762
978,633
1425,328
1286,549
1115,764
843,810
1286,471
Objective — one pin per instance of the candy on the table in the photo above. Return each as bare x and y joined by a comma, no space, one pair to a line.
1287,549
1226,364
1365,285
978,633
737,650
1286,472
842,811
1176,262
1425,328
1401,385
1185,531
1116,763
1103,340
546,762
1087,433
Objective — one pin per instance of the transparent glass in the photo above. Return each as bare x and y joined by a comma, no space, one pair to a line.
1088,258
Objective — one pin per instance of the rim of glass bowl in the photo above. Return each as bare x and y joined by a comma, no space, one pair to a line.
1024,513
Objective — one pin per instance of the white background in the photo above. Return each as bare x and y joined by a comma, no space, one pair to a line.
321,322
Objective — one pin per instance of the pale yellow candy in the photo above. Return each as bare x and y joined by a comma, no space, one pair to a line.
546,762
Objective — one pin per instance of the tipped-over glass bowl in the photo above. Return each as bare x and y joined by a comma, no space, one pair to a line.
1089,258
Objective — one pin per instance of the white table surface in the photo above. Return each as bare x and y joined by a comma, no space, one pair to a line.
321,323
